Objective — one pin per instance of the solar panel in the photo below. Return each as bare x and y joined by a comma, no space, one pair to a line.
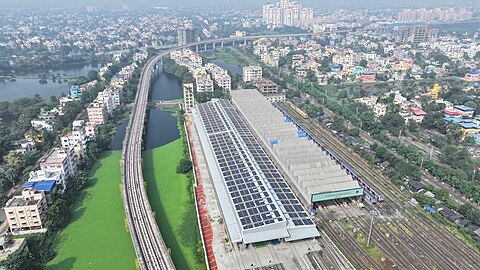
241,159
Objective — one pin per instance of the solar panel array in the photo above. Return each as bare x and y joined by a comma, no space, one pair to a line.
258,191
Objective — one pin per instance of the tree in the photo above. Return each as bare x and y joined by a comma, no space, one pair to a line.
338,123
354,132
363,63
412,125
394,122
21,260
185,166
58,214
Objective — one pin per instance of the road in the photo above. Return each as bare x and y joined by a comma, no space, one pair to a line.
150,248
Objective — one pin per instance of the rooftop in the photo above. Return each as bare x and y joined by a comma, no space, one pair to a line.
56,155
256,202
310,170
44,185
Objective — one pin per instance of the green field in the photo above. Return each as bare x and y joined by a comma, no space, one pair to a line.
96,238
170,195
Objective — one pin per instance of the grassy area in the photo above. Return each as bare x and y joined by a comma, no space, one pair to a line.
171,198
228,57
97,238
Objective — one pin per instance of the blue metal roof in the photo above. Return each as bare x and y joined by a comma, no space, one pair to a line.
430,209
44,185
457,120
468,125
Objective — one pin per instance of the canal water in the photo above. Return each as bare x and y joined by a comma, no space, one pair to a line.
31,86
161,126
233,68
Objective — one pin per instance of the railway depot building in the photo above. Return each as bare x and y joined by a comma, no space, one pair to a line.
256,202
311,173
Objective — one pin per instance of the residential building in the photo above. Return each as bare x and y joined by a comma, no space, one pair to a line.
75,91
224,81
252,73
107,99
43,124
472,76
415,34
435,91
188,97
379,109
91,131
287,13
76,139
186,35
369,101
26,213
417,114
23,146
59,161
97,113
204,84
117,80
266,86
368,77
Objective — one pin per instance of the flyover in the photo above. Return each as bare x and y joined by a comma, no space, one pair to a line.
150,248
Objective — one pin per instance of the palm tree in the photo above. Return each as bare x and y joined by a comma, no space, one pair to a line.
454,131
11,174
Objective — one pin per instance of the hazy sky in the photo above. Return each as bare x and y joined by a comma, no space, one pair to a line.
115,4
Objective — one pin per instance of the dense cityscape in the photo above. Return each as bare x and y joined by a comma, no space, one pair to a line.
280,135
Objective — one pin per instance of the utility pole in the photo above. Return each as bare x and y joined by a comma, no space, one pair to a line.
400,134
373,213
431,153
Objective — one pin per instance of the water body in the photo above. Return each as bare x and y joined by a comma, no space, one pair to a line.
166,87
117,139
233,68
161,126
29,87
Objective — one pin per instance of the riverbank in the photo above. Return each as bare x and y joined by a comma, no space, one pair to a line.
171,197
97,237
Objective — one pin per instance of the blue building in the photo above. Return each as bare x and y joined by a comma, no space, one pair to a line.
75,91
430,209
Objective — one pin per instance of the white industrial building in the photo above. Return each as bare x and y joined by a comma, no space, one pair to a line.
311,172
256,202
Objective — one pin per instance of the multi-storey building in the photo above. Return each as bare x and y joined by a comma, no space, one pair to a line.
252,73
97,113
186,35
107,99
287,13
204,84
188,97
224,81
266,86
59,161
76,139
415,34
26,213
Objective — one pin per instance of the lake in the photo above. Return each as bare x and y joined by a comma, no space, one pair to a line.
29,87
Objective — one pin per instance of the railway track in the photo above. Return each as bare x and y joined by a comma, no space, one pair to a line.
148,242
427,242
